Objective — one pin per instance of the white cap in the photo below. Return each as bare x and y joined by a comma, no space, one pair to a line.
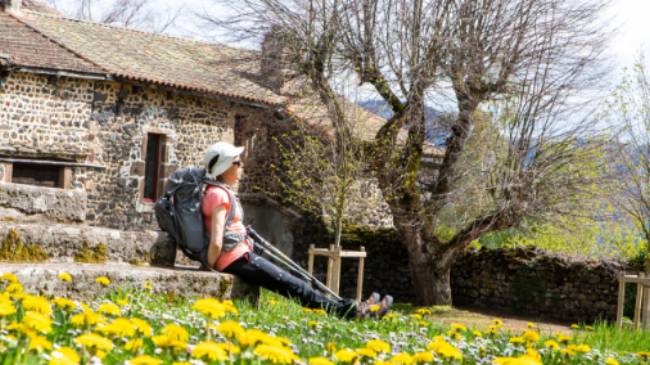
219,157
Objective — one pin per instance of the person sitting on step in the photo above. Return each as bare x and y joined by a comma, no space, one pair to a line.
231,251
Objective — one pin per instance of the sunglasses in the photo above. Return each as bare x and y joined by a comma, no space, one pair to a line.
238,163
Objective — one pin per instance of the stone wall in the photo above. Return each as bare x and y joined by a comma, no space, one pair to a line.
532,282
104,124
524,281
58,204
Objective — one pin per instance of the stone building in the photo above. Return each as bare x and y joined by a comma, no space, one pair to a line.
94,117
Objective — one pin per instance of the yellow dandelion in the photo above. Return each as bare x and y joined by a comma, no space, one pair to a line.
346,356
230,348
230,329
530,336
9,277
275,354
120,327
94,341
366,352
39,343
210,307
611,361
64,356
458,327
402,358
521,360
209,350
133,345
331,347
374,308
176,332
575,326
148,285
497,322
14,288
64,276
477,333
144,360
86,318
562,338
517,340
37,304
378,346
319,361
423,357
142,327
109,308
530,325
37,322
454,335
65,304
424,311
103,281
580,348
445,349
122,302
6,308
552,344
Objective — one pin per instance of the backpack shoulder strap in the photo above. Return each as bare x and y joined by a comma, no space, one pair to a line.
232,207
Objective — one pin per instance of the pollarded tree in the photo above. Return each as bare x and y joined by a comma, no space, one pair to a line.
524,59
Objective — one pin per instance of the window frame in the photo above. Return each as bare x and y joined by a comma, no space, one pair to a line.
160,160
64,180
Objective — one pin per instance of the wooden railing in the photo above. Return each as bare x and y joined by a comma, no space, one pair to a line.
642,302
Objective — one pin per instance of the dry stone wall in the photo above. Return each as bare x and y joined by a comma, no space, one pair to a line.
533,282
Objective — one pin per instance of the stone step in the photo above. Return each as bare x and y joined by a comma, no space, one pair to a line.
60,242
179,281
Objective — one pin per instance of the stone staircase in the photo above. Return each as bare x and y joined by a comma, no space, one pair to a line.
142,259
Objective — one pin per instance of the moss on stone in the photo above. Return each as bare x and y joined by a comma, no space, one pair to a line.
97,254
14,249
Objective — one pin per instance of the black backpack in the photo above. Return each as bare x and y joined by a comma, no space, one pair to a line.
178,212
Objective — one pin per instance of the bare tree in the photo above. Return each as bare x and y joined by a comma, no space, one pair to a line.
523,59
139,14
630,111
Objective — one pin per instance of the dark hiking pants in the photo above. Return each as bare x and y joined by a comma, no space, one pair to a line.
256,270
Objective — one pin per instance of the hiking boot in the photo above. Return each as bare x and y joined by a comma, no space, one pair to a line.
384,307
364,308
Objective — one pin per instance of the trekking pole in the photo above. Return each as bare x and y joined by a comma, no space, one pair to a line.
281,257
286,260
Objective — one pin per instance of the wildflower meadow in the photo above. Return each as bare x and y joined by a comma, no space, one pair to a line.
138,327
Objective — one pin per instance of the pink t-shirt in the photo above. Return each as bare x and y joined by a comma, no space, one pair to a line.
214,197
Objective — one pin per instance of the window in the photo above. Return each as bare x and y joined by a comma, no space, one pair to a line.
154,158
239,130
52,176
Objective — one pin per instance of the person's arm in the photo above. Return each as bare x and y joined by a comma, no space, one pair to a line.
217,223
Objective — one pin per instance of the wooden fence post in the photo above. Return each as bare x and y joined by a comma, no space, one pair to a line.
310,260
621,300
638,303
360,276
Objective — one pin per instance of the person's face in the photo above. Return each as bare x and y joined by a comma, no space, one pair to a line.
234,172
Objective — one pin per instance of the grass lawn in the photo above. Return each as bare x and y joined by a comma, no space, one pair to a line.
140,328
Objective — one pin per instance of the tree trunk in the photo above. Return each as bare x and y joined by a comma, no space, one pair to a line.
431,283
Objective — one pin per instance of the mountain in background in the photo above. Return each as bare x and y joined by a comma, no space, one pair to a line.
435,133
